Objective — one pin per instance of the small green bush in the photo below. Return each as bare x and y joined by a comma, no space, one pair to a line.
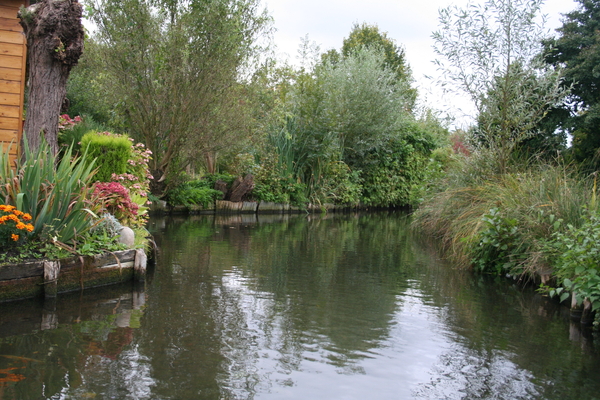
392,175
209,181
110,151
340,185
196,192
497,249
72,133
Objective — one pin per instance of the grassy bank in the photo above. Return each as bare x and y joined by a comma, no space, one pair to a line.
538,220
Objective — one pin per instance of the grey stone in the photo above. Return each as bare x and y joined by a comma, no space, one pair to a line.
127,236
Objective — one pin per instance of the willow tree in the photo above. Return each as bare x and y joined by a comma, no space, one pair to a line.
174,70
54,35
492,53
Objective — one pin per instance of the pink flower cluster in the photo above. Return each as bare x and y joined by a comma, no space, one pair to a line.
138,175
65,122
115,199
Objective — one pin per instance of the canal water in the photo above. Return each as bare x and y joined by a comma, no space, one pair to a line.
349,306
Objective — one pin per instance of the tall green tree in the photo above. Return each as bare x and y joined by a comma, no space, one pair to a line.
394,57
366,35
577,49
363,102
175,69
491,53
349,120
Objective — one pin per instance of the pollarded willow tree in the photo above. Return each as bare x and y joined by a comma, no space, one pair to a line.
174,71
492,53
55,36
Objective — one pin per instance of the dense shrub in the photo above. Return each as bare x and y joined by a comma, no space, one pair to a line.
339,185
497,247
194,192
209,180
274,184
392,174
72,130
110,151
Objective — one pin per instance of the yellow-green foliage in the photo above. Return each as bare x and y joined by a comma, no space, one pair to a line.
110,151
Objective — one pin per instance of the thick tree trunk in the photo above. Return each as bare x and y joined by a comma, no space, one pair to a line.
55,42
241,188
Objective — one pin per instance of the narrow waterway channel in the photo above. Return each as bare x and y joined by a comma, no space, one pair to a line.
343,306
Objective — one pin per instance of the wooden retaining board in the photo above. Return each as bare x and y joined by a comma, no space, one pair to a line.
26,280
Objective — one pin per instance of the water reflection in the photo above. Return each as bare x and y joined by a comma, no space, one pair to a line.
296,307
66,348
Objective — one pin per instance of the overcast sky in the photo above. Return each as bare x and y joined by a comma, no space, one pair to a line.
409,22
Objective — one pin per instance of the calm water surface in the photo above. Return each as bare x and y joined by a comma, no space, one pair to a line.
300,307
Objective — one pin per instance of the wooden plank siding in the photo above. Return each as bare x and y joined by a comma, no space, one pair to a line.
13,60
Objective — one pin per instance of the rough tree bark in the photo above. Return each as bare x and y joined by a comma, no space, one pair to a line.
241,187
54,35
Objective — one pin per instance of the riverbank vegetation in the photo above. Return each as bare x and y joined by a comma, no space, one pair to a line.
518,201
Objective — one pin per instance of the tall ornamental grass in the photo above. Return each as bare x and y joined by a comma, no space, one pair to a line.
502,221
54,192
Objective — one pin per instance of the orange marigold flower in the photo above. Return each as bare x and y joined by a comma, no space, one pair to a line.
14,237
29,228
3,219
17,213
2,207
9,208
13,217
26,217
21,225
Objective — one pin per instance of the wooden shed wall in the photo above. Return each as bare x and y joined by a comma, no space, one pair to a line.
13,61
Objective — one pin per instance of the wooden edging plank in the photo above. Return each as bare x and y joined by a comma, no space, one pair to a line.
18,271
